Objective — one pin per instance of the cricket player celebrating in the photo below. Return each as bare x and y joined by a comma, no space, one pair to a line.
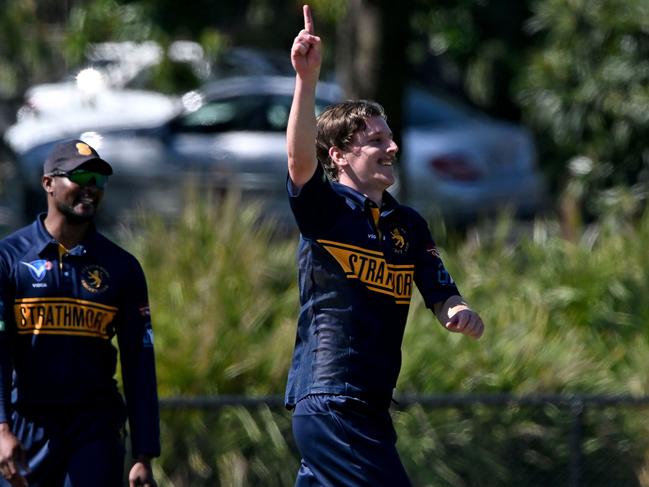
360,254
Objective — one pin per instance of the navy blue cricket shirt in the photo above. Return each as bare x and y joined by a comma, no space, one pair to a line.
58,316
356,281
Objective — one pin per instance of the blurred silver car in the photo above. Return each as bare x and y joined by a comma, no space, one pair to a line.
231,136
111,89
461,164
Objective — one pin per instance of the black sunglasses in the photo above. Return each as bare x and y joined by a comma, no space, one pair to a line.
83,177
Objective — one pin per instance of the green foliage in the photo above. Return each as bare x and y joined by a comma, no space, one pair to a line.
20,61
585,90
493,447
105,20
329,11
230,447
561,316
478,47
223,294
172,77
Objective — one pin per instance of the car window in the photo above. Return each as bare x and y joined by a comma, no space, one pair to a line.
277,112
278,109
426,110
256,113
236,113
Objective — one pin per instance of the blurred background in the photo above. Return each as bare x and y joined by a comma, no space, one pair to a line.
523,133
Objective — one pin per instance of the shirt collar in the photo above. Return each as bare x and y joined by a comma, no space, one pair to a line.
359,200
42,238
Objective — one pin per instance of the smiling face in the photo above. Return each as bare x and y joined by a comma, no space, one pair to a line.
77,203
367,164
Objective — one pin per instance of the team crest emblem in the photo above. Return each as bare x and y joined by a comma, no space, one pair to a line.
398,236
38,268
94,279
83,149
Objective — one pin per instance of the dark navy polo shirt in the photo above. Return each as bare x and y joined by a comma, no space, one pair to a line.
356,281
58,316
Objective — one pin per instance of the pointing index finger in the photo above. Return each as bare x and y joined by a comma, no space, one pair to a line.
308,19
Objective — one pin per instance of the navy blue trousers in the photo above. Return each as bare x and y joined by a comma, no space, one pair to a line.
72,449
346,442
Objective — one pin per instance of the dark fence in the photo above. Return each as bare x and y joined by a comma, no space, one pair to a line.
593,447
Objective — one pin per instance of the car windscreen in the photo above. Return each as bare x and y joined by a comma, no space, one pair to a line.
423,109
255,113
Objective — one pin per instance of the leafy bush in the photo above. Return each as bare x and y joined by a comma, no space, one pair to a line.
584,90
561,317
223,297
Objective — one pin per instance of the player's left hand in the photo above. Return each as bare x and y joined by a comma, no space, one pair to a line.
141,475
467,322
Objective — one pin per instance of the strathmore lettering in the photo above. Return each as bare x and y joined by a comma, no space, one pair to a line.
370,268
63,316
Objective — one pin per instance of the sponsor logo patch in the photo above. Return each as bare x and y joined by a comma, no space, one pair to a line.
38,268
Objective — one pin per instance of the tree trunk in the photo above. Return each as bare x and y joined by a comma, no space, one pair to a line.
371,60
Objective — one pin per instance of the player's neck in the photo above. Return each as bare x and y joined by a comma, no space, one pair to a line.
67,233
374,194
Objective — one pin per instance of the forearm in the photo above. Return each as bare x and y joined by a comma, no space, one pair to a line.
301,129
301,132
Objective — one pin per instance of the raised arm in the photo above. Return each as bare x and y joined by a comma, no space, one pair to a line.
301,129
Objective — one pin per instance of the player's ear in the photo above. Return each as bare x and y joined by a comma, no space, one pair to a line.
47,182
337,155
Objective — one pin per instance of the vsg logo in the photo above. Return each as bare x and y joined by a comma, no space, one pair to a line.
38,270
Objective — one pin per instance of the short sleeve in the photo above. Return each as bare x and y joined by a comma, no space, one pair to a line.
316,205
431,277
